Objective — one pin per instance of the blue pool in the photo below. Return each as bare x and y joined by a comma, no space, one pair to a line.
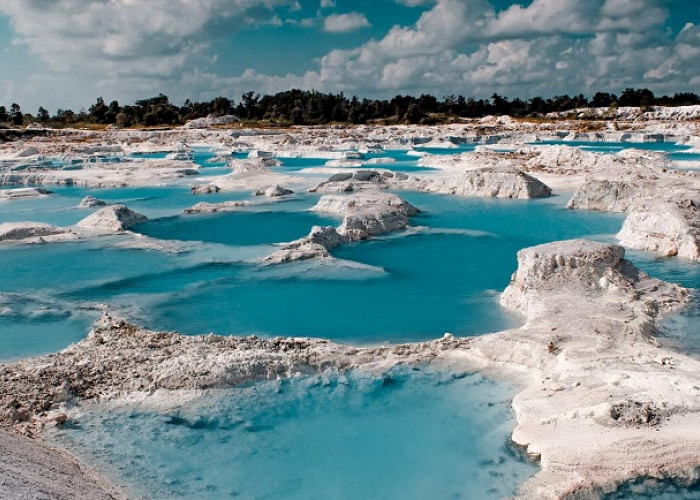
407,434
443,276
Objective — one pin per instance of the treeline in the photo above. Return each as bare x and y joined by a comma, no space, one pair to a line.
298,107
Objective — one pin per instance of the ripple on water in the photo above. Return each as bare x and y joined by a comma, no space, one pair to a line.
409,434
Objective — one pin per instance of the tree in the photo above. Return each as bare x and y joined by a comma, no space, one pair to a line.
249,102
98,111
4,115
603,100
636,98
16,114
413,113
43,115
122,120
64,116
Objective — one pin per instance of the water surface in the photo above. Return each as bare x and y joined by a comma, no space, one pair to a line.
407,434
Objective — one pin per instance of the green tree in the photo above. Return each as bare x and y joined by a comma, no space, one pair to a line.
16,114
43,115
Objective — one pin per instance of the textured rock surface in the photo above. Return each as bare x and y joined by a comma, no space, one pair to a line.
316,245
604,393
494,182
366,214
210,208
362,202
254,174
31,470
112,218
23,193
12,231
610,195
273,192
360,180
205,189
667,228
118,359
622,195
596,392
580,265
90,202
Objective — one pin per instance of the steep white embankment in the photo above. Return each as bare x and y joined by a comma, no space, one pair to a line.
602,402
663,215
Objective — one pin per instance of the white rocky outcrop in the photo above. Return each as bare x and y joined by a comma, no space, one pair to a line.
180,156
30,151
211,121
578,265
611,195
317,153
365,214
24,193
254,174
129,172
359,180
623,194
91,202
205,189
600,392
112,218
273,192
314,246
211,208
381,161
663,215
667,228
28,231
494,182
344,163
368,213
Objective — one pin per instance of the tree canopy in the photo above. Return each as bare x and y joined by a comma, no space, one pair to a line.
302,107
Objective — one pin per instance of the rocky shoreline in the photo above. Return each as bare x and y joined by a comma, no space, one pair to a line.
594,385
600,402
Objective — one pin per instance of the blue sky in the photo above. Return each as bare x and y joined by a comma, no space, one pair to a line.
65,53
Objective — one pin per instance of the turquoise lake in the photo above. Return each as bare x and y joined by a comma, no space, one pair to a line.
408,434
443,276
411,433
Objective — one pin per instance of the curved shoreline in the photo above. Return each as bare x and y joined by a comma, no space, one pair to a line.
600,402
596,391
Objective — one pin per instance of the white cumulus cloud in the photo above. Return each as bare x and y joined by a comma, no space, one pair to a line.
344,23
129,37
471,47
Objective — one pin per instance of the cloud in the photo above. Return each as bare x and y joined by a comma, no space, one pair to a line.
345,23
129,37
546,47
132,48
415,3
